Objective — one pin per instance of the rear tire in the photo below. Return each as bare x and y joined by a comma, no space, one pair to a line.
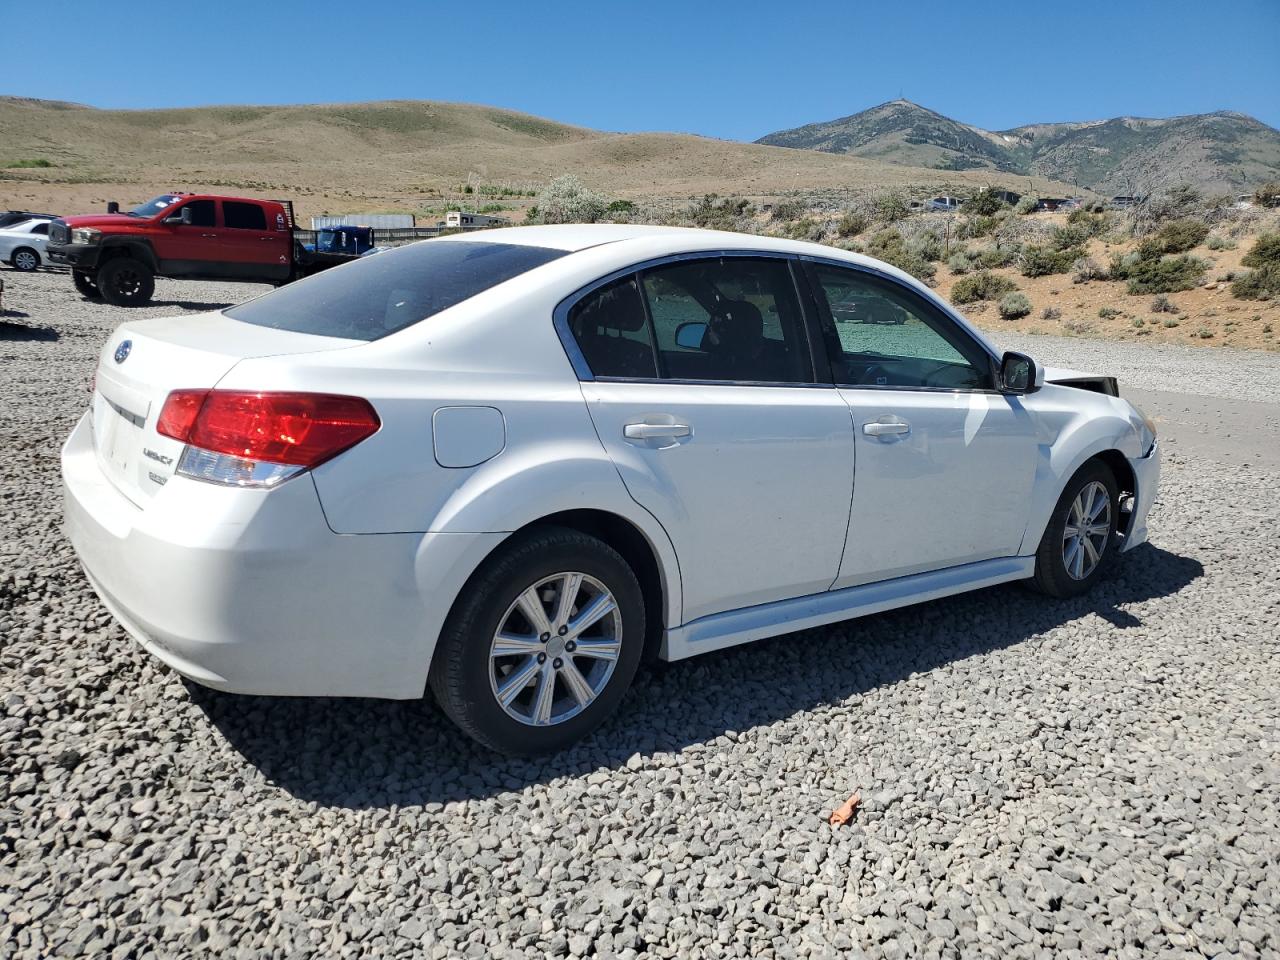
1079,543
84,283
480,686
125,282
25,260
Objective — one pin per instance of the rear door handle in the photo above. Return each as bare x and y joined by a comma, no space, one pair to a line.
883,429
655,431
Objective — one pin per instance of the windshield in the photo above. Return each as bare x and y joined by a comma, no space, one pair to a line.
376,296
155,205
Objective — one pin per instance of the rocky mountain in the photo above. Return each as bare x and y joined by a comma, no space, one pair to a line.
1222,152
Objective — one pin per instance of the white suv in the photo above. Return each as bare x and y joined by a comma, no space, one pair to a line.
510,464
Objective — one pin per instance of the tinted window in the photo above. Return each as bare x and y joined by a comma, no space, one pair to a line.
202,212
243,216
727,319
41,228
879,334
610,328
375,296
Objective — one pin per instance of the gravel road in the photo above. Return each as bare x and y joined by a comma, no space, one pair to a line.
1095,777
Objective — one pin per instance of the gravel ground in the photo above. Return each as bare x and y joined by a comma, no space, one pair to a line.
1095,777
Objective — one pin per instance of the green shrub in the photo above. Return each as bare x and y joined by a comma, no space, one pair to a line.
567,200
1014,305
1262,283
981,286
959,263
1138,322
1072,235
1043,261
1108,313
1162,275
713,212
981,226
39,163
1086,269
787,210
622,206
1177,236
1216,241
1265,250
927,247
889,246
1267,195
1170,323
984,203
852,223
1001,255
1026,205
890,208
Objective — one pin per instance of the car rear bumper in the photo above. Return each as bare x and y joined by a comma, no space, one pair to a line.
1146,472
78,256
249,591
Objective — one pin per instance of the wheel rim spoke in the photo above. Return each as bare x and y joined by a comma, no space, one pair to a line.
569,588
544,697
512,644
595,611
1091,550
531,606
600,648
577,684
517,680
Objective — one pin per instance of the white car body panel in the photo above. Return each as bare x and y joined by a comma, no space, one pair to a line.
774,514
20,235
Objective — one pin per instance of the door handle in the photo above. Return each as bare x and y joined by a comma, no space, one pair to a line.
209,236
655,431
883,429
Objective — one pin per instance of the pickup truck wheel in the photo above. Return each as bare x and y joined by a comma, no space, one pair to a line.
84,283
126,282
25,259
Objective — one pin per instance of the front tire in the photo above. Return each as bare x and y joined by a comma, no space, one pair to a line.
85,285
1079,542
25,260
542,644
125,282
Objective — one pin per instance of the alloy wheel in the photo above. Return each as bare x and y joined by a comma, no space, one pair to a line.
1084,539
555,649
25,260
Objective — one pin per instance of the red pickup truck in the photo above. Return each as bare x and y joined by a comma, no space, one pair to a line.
189,236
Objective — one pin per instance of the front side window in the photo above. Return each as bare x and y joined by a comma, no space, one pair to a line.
375,296
202,213
879,334
727,319
243,216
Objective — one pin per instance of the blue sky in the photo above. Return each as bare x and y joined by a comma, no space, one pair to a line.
734,70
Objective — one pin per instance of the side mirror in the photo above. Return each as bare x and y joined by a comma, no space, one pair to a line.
690,335
113,207
1020,374
182,217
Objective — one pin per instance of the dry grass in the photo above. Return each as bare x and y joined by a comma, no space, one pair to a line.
410,155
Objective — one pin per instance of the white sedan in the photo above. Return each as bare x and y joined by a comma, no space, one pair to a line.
22,245
508,465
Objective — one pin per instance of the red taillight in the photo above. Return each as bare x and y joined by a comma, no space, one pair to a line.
302,429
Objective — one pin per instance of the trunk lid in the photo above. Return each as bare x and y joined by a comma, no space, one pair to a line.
143,361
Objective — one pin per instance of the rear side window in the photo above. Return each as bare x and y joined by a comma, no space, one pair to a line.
380,294
243,216
610,328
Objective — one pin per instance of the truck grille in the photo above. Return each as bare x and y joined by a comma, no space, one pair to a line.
59,232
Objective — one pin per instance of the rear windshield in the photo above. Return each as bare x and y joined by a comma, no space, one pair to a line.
385,292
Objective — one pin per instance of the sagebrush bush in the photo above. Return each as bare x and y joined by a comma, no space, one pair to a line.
1071,235
927,247
1050,313
1014,305
1265,250
1000,255
1216,241
984,203
1086,269
889,246
1268,195
1177,236
1026,205
981,286
852,223
567,200
787,210
1159,275
959,263
1043,261
890,208
1163,304
1108,313
1261,283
